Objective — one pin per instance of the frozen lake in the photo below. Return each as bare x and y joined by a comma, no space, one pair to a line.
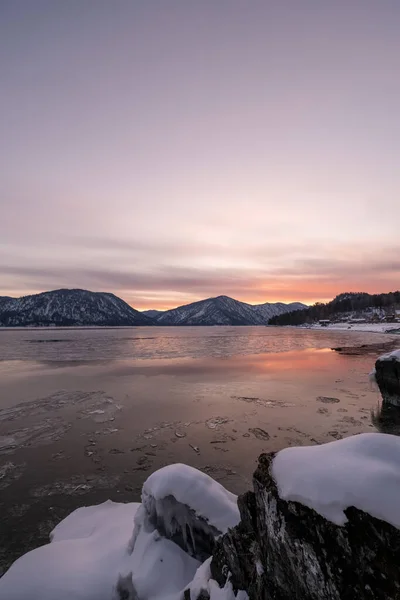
88,414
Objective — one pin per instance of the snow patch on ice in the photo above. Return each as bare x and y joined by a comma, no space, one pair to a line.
361,471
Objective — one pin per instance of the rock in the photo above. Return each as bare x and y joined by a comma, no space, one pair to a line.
386,418
187,507
286,551
387,376
189,531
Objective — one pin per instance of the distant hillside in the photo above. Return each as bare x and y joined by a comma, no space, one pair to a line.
223,310
68,308
153,314
269,310
349,303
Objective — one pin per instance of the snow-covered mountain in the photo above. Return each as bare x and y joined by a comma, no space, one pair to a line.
269,310
69,307
153,314
223,310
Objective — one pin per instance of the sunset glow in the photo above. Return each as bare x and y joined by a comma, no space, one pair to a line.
172,151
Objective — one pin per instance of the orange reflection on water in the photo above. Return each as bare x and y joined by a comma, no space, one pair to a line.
292,361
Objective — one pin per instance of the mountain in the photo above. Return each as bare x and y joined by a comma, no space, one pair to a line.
269,310
347,305
221,310
153,314
69,307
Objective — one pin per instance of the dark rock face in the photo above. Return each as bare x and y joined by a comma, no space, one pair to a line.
387,374
286,551
179,523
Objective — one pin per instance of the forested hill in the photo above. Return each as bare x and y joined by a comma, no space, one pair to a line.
350,302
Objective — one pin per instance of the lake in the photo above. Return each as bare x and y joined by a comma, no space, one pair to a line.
87,414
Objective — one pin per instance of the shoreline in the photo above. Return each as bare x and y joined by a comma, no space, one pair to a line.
386,328
78,434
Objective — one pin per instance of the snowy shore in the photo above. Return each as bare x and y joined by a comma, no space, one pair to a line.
360,327
163,549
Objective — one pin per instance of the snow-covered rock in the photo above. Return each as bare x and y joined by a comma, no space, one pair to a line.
393,356
387,376
321,524
69,307
361,471
206,497
285,549
115,551
188,507
223,310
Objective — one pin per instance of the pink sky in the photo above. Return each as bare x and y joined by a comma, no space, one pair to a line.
168,151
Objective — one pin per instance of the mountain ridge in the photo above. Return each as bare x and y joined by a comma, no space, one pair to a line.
223,310
77,307
69,307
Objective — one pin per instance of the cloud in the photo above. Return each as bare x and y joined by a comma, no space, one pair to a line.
167,285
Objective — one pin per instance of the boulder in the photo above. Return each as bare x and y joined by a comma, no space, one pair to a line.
283,550
387,376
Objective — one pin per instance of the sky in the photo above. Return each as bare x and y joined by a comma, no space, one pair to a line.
173,150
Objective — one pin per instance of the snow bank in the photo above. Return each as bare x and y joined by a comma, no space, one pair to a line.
160,569
80,564
395,355
89,555
113,551
209,499
361,471
89,520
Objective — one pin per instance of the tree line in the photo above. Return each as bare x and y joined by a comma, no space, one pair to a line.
343,303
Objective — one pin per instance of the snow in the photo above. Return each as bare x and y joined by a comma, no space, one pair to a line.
209,499
366,327
88,520
69,307
223,310
160,569
361,471
82,563
112,550
395,355
259,568
89,553
202,581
